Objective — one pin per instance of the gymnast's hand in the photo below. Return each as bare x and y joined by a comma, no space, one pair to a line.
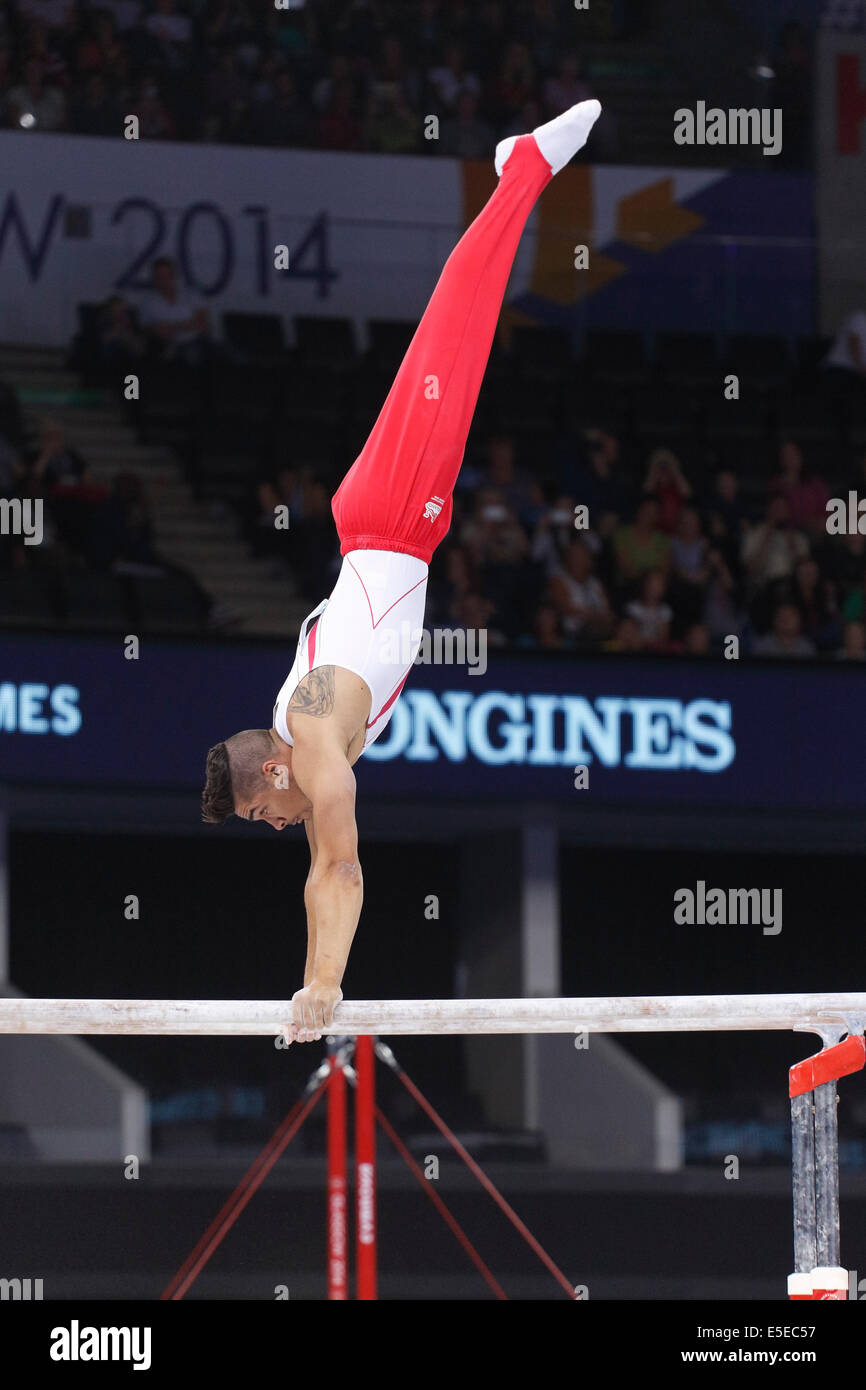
313,1009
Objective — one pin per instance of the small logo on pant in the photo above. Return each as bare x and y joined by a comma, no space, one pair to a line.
433,508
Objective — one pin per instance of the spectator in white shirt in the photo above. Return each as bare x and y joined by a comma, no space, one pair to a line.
652,615
176,326
166,24
786,639
34,105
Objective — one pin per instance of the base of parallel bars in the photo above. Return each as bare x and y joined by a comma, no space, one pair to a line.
825,1283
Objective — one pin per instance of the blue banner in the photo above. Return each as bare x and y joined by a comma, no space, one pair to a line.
74,711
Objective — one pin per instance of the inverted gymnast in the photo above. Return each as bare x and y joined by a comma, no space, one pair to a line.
392,510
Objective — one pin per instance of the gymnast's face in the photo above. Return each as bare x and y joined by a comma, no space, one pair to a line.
277,799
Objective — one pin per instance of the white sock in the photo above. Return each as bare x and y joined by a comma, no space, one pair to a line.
560,139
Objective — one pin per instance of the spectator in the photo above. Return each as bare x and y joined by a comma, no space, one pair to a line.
493,534
451,80
502,473
528,118
720,615
392,128
339,125
154,119
689,549
697,641
281,119
465,136
578,597
121,342
553,535
726,513
340,72
771,549
854,607
171,28
93,112
516,82
596,482
177,328
806,493
665,482
815,600
786,638
547,634
54,14
845,363
34,104
393,78
853,642
567,88
56,464
641,546
498,546
652,615
627,637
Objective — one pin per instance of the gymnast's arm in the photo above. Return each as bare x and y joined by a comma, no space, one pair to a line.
335,887
308,904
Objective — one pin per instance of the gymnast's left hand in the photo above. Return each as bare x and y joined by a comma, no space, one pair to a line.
313,1009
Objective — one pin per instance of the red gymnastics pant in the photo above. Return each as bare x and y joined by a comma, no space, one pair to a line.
397,494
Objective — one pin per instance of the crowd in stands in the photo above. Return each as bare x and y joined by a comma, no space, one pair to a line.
86,525
334,74
658,563
323,74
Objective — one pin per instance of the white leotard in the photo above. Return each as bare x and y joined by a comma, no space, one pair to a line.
372,624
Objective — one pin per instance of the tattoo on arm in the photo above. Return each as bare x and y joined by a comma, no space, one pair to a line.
315,694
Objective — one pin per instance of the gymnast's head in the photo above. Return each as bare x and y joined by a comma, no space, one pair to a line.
250,776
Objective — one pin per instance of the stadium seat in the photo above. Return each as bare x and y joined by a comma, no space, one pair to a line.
541,353
327,342
388,341
168,603
97,601
258,336
26,600
615,356
760,360
687,358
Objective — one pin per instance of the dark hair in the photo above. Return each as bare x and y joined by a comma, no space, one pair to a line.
233,768
218,799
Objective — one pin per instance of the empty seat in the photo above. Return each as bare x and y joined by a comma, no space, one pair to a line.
808,417
615,356
388,340
26,600
759,360
168,603
99,602
687,357
541,351
327,342
255,335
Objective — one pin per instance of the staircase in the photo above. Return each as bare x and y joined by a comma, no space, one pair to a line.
253,597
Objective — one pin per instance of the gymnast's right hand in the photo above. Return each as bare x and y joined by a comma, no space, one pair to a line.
313,1009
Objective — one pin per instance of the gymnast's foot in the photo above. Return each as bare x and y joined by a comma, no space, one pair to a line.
560,139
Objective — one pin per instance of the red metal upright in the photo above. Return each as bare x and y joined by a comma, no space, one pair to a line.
365,1168
338,1262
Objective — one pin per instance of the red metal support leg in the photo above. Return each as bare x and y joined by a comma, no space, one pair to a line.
365,1168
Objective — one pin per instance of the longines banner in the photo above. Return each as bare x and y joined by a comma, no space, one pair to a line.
74,712
840,162
366,236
